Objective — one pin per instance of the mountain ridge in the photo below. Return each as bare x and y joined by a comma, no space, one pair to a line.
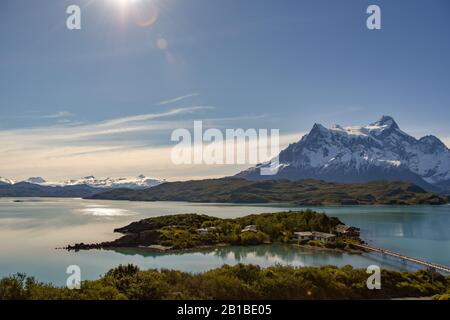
87,186
139,182
26,189
305,192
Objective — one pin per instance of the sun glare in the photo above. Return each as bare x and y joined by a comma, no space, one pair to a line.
124,3
143,12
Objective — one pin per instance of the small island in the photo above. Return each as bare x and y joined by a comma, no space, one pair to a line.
193,231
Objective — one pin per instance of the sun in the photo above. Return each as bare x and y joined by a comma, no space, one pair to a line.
124,3
144,13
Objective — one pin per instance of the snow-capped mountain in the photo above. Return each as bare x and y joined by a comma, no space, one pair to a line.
35,180
139,182
5,181
379,151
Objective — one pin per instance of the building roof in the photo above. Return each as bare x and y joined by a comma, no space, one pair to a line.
314,234
208,229
304,233
250,228
323,234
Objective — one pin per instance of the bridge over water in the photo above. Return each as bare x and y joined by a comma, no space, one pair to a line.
429,265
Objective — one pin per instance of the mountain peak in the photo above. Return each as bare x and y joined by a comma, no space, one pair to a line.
5,181
386,122
318,131
317,127
433,141
35,180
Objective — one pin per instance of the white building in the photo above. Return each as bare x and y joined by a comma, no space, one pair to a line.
206,231
314,235
250,228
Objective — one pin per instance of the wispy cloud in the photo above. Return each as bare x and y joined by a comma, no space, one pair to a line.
177,99
152,116
86,133
58,115
120,146
39,115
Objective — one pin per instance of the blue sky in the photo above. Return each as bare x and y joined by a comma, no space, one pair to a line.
233,63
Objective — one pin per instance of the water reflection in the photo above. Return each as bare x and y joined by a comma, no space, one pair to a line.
105,211
263,255
274,253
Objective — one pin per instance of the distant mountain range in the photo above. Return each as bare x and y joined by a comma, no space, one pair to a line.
87,186
379,151
25,189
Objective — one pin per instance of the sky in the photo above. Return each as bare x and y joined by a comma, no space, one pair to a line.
105,99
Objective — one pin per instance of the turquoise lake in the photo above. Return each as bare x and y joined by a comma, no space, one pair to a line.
31,229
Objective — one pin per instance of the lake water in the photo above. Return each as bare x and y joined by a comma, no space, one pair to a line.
31,230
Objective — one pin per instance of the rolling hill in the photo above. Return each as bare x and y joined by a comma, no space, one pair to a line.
305,192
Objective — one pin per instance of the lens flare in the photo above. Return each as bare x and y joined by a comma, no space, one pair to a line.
145,12
162,44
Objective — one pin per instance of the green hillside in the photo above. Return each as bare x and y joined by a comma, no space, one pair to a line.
305,192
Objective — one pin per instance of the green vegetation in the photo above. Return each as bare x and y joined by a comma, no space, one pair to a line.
183,231
237,282
444,296
305,192
315,243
